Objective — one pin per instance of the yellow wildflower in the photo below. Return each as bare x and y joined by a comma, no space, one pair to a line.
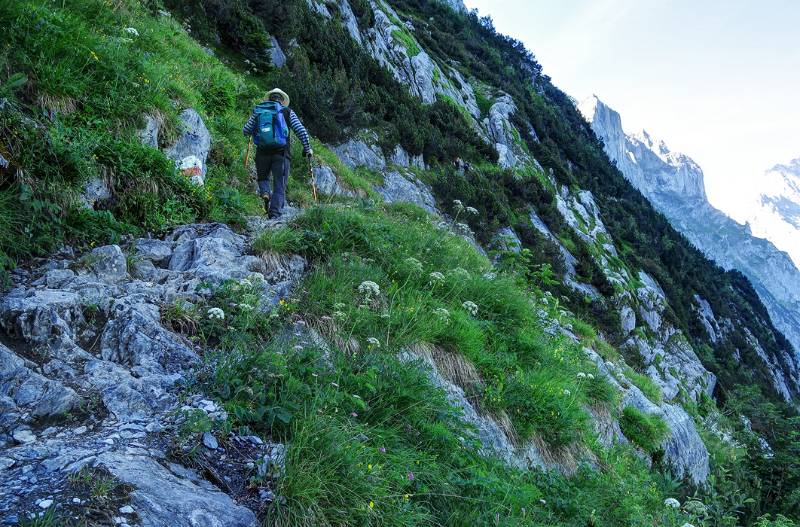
371,504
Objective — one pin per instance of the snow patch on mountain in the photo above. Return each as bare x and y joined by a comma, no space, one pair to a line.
776,215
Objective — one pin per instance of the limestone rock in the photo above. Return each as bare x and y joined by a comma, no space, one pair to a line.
328,183
108,263
456,5
155,250
406,188
570,262
357,153
38,316
276,55
162,497
349,20
403,159
30,392
191,149
149,134
506,239
95,191
627,319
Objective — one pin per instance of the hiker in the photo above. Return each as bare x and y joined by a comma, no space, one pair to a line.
269,126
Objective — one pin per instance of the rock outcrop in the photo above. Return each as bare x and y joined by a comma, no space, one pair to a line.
191,149
90,376
277,57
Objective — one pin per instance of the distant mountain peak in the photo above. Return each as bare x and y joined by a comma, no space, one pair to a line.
644,159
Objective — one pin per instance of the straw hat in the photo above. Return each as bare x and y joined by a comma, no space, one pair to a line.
281,93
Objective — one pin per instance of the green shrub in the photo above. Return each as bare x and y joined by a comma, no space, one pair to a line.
642,381
645,431
408,42
278,241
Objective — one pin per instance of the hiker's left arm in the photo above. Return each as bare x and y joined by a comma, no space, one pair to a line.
248,127
301,132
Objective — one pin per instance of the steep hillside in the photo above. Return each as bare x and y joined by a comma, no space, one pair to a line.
479,322
674,184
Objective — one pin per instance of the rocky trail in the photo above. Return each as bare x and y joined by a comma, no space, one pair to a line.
93,386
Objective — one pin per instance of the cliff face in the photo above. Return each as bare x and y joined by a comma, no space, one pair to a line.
645,161
674,184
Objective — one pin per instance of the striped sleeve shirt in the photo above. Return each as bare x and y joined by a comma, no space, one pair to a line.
294,123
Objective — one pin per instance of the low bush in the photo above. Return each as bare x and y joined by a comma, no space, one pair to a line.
644,430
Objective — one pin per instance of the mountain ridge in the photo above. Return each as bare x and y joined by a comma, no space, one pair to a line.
675,188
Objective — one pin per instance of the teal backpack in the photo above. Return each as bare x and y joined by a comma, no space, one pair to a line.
271,129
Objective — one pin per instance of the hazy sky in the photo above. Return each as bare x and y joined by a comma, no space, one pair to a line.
717,80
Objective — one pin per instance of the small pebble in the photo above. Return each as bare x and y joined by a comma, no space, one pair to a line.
127,509
23,436
45,504
210,441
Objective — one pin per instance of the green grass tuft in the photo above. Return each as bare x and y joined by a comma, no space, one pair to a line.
646,431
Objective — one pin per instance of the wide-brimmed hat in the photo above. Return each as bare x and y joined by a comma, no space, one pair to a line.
281,93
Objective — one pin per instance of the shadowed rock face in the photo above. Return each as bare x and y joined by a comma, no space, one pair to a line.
88,331
674,184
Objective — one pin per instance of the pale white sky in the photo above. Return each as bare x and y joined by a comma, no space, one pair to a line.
717,80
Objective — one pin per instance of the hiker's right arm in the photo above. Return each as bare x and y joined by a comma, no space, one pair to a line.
248,127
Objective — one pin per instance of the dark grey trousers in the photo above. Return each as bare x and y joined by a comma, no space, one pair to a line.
275,165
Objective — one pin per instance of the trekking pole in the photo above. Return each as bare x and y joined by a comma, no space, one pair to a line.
247,155
313,181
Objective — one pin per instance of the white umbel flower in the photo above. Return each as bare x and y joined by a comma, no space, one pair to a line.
590,376
442,313
567,392
131,31
458,205
471,307
460,272
581,375
436,277
472,210
413,264
369,289
216,313
373,342
672,503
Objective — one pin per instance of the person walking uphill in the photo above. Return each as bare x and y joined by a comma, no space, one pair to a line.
269,126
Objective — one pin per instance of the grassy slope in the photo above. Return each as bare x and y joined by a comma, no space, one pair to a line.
371,441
